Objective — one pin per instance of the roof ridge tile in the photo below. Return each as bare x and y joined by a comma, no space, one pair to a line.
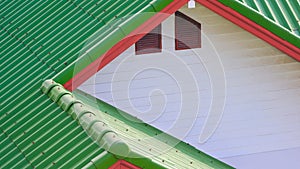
98,130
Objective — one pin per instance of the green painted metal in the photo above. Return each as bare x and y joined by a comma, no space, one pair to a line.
95,127
263,8
119,23
295,9
103,160
277,22
106,159
277,14
41,40
288,15
50,39
251,3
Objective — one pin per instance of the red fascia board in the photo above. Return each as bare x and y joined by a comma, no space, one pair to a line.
124,44
252,27
213,5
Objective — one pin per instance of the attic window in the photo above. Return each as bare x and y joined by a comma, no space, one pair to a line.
150,43
123,165
187,32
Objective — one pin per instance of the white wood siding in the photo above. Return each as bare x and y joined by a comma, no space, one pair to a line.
262,108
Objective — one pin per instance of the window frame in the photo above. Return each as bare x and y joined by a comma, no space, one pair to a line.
139,49
179,45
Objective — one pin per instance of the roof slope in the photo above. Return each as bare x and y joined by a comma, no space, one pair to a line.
285,13
281,17
39,39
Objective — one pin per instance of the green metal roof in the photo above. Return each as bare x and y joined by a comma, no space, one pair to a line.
281,17
97,129
40,40
284,12
46,39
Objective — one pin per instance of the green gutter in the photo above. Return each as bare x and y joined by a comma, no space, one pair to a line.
262,21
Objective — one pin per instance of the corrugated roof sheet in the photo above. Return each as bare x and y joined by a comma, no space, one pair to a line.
39,39
272,16
285,13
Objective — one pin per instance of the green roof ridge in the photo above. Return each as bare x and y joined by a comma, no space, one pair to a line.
132,125
98,130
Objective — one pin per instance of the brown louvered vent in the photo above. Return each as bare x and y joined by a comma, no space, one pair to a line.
187,32
150,43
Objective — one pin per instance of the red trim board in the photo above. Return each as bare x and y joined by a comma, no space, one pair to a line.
213,5
252,27
124,44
